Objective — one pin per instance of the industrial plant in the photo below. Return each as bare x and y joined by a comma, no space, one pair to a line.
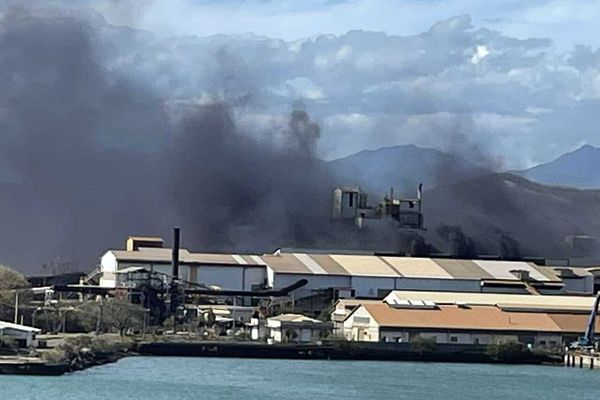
290,297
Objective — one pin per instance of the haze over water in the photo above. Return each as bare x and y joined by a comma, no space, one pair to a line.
157,378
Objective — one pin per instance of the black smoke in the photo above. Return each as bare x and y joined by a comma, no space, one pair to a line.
96,156
233,190
461,245
60,110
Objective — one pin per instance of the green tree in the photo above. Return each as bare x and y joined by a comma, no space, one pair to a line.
119,316
506,351
422,345
11,280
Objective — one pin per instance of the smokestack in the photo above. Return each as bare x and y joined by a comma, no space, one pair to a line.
175,253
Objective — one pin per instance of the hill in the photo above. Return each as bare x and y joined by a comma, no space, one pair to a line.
508,214
402,167
575,169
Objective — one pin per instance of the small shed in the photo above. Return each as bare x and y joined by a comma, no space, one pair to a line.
297,328
22,334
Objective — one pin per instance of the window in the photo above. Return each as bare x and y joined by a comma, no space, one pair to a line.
350,199
476,341
362,320
453,339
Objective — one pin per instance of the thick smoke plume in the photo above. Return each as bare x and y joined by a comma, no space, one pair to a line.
494,214
236,191
96,156
60,109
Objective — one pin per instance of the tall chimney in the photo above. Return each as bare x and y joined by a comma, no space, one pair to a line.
175,253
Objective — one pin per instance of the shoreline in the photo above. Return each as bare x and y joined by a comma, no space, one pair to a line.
83,352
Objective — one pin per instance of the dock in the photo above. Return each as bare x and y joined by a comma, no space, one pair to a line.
578,360
19,365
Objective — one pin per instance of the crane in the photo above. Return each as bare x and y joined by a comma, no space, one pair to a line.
587,340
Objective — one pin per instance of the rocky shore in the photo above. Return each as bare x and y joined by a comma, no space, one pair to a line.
79,352
73,353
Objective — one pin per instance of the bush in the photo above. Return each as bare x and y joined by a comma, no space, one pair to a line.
505,352
8,344
9,281
422,345
290,336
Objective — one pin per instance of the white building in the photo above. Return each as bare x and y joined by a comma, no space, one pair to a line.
344,275
370,276
290,328
22,334
226,271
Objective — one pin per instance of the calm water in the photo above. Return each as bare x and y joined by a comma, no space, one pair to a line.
153,378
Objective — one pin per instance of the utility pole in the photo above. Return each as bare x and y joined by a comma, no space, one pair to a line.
233,316
16,306
100,316
175,277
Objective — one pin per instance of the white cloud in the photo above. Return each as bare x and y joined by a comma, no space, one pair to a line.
481,52
300,87
372,88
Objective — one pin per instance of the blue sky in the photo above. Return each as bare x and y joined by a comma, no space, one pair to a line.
516,80
565,22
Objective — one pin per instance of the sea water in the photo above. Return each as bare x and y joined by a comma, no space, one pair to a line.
162,378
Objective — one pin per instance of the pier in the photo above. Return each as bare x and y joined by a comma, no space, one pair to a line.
578,360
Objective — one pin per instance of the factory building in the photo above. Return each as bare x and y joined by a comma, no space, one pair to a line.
470,318
575,280
334,276
226,271
370,276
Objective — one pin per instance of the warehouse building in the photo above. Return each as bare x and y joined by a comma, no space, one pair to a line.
334,276
470,318
370,276
507,302
226,271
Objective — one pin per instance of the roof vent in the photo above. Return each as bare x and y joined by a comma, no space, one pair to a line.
521,275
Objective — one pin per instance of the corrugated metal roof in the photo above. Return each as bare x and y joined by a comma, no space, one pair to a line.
294,318
329,264
285,263
417,267
163,255
355,302
364,265
492,299
502,269
17,327
356,265
452,317
573,323
463,269
555,272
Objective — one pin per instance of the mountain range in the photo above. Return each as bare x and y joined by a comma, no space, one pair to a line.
404,167
509,215
514,214
578,169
